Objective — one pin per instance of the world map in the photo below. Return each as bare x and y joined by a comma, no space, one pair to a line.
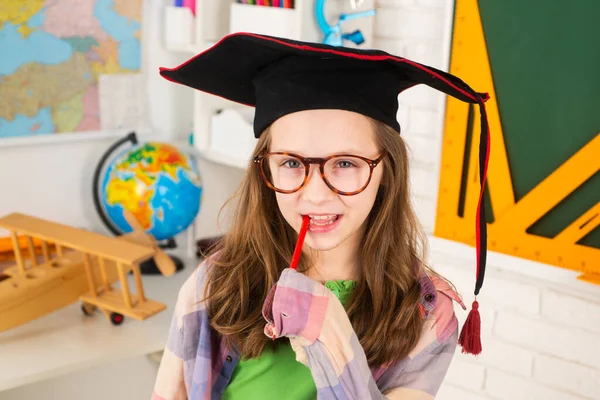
52,55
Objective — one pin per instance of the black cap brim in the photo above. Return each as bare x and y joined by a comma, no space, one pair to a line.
235,60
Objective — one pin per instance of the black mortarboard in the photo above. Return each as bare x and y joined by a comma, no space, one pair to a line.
279,76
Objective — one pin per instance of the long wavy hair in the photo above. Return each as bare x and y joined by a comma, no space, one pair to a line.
384,306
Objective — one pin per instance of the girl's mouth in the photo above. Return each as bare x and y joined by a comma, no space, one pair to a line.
323,223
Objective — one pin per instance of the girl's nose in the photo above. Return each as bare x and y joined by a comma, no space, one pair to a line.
316,190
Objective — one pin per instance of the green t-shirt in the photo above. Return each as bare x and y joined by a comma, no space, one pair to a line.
277,374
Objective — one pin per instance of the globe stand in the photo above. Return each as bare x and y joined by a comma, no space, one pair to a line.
149,267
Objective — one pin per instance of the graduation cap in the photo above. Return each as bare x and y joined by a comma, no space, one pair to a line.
280,76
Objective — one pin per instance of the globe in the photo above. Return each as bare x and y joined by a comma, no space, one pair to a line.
159,184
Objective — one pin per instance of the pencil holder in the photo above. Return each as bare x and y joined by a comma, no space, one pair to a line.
274,21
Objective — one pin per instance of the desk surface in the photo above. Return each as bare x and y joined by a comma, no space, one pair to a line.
67,340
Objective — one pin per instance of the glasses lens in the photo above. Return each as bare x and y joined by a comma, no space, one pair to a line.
283,171
345,173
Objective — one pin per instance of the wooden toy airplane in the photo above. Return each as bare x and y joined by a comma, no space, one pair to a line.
75,265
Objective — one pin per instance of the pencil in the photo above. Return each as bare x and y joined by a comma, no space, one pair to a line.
300,242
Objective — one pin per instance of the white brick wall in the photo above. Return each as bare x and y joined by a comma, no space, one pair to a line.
567,375
504,386
540,326
467,375
452,392
559,339
581,312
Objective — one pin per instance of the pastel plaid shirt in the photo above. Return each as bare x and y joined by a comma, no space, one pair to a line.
197,365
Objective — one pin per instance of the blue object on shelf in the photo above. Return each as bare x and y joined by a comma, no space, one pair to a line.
333,34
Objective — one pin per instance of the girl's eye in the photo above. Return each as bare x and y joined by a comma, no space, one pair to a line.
292,163
345,164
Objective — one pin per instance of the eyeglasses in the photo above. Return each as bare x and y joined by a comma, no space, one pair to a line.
345,174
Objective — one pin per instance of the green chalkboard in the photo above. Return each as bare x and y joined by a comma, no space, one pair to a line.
545,61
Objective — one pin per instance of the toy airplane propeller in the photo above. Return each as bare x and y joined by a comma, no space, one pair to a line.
164,263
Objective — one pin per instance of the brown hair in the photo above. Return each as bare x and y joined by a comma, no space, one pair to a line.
383,307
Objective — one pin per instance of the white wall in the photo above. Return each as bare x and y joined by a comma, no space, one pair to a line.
541,327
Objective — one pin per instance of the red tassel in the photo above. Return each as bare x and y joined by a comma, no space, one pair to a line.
470,336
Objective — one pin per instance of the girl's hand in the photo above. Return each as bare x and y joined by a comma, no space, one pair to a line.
296,307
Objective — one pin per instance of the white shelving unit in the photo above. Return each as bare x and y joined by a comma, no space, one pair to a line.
217,18
186,48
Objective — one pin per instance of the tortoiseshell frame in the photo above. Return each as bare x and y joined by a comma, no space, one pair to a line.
258,160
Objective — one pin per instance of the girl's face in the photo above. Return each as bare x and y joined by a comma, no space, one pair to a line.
321,133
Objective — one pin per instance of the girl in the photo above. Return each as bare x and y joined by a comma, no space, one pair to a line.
361,317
